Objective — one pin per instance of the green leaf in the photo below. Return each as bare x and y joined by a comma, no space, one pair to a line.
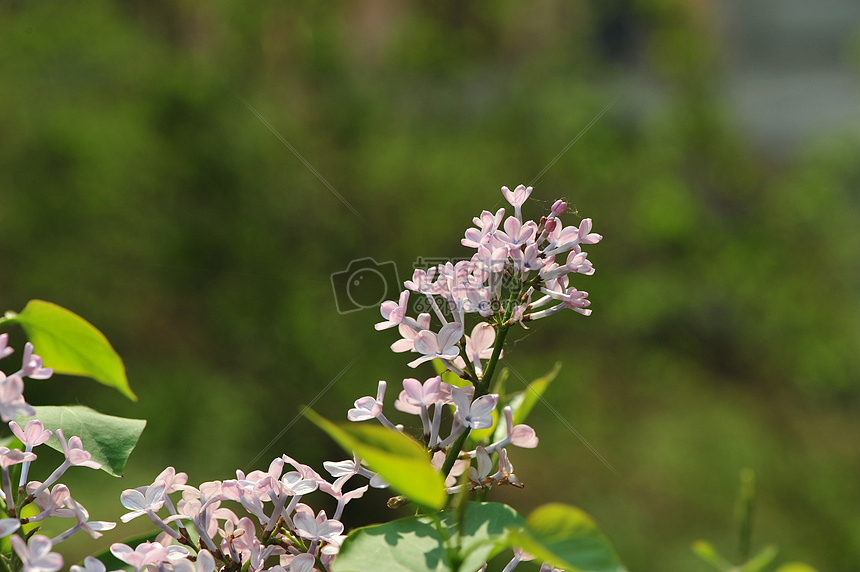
109,439
706,551
71,345
447,376
567,538
414,544
761,560
523,404
796,567
402,462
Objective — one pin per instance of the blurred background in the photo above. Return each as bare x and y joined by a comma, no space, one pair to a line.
140,191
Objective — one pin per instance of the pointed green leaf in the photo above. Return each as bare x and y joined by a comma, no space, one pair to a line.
761,560
526,401
796,567
568,538
706,551
71,345
415,545
109,439
399,460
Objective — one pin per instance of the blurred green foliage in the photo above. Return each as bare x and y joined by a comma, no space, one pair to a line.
137,190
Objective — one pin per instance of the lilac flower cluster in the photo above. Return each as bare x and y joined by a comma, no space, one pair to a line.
274,531
428,401
34,550
513,277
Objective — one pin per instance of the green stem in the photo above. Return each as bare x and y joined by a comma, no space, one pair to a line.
482,387
745,510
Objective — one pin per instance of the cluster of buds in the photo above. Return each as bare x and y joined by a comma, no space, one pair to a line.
53,499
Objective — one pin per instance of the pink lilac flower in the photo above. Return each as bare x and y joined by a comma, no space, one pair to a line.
9,457
517,197
94,529
476,414
479,476
5,350
36,556
76,456
32,365
303,563
438,346
205,563
51,503
140,557
319,529
146,501
142,500
520,555
416,395
478,346
393,312
505,474
341,469
408,342
33,435
487,224
520,435
8,526
74,451
517,233
12,401
369,408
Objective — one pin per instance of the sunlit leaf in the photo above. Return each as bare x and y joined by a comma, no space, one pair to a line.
795,567
568,538
399,460
109,439
761,560
414,544
70,345
523,405
706,551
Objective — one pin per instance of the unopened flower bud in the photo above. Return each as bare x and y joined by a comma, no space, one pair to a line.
558,207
